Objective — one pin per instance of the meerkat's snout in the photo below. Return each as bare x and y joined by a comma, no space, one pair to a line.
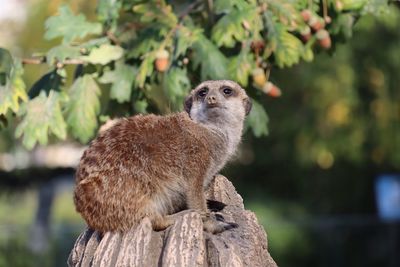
212,100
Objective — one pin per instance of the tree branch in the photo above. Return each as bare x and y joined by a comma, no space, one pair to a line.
42,60
210,7
189,8
113,38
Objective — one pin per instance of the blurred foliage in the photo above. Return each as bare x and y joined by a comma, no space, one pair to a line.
335,130
17,212
348,106
15,252
63,211
22,207
146,55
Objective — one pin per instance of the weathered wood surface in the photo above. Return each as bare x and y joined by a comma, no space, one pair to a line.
183,244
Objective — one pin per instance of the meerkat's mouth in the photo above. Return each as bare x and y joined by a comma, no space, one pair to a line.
212,106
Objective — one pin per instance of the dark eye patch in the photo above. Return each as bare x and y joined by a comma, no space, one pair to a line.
202,92
227,90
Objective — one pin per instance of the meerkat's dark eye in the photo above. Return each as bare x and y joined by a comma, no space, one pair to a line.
227,90
203,92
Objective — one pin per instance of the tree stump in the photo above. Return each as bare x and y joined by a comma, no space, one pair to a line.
184,243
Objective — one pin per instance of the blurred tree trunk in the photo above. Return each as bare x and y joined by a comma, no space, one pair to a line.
40,230
183,244
39,241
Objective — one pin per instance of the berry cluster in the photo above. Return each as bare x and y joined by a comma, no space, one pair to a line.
316,25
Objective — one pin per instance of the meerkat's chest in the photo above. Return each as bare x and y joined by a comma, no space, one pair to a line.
215,167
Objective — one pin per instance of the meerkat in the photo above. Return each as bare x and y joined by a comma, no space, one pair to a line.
155,166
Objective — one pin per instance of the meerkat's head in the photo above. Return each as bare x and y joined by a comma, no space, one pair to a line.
218,102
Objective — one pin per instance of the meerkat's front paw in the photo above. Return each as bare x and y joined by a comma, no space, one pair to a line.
213,226
215,223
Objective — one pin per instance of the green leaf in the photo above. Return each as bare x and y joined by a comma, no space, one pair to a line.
223,6
145,69
355,4
104,54
240,67
375,7
156,11
145,46
226,6
42,116
122,79
343,26
288,49
147,42
13,90
3,122
257,120
108,11
176,85
61,53
229,28
6,65
95,42
284,11
213,62
83,107
184,39
308,54
49,81
69,27
140,106
155,93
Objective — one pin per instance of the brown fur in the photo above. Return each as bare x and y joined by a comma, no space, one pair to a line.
156,166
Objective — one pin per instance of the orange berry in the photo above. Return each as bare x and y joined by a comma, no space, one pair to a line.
162,60
316,23
259,77
257,45
328,20
324,39
306,14
305,34
272,90
162,64
325,43
275,92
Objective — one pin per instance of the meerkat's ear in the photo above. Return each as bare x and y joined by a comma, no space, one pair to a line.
188,103
247,105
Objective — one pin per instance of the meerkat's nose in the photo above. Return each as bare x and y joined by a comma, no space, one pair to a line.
211,100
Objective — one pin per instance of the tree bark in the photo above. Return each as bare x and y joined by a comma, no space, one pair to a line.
184,243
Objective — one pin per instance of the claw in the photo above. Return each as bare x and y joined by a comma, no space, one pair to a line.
231,225
219,217
215,227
